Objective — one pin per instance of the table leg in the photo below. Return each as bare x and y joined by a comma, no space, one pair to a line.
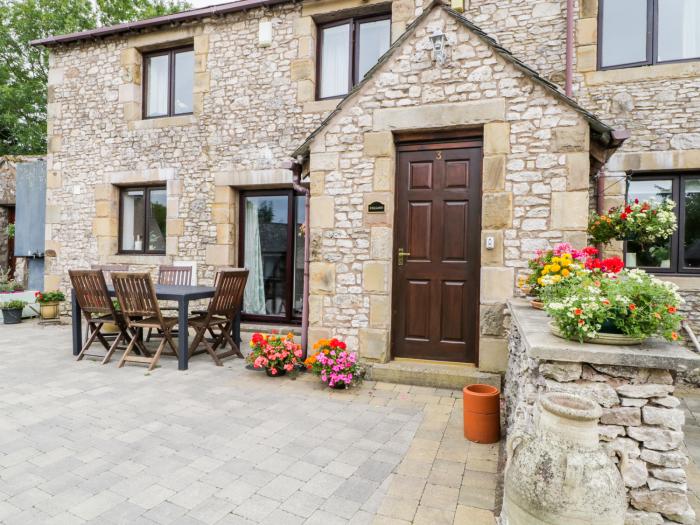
236,329
77,324
183,334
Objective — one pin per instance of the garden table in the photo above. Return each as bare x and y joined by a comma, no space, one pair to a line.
183,295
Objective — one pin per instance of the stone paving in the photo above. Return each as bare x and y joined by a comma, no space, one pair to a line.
85,443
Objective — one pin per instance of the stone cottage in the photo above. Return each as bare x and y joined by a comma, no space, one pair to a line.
441,149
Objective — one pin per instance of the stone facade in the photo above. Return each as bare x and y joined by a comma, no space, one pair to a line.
7,198
641,427
535,149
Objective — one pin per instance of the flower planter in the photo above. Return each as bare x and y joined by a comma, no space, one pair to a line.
49,310
537,304
11,315
279,372
482,419
603,338
340,385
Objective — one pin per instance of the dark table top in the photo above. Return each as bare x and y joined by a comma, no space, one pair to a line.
169,292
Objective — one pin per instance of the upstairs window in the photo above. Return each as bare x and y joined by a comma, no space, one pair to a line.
645,32
168,82
348,49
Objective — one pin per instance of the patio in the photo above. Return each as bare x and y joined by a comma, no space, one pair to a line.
82,442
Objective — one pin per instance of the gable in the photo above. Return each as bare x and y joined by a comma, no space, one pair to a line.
477,68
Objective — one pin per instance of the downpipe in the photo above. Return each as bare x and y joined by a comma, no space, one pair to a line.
300,188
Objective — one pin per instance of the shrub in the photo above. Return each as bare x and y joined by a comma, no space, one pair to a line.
273,352
13,305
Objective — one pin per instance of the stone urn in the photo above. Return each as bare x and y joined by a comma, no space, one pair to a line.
561,475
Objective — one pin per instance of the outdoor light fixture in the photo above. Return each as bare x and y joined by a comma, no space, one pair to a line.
439,41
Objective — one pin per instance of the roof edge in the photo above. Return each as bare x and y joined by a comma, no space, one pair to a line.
182,16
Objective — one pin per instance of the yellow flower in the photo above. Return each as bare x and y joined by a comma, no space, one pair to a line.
540,281
555,268
565,262
545,270
565,272
556,278
556,259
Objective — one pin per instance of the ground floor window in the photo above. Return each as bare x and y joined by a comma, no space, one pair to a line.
272,248
142,219
681,253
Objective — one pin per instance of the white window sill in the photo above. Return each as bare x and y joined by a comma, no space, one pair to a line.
635,74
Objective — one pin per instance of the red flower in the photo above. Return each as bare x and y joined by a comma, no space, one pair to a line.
590,251
593,264
628,209
633,307
342,345
672,309
581,322
612,265
674,336
636,201
257,338
333,343
578,311
623,216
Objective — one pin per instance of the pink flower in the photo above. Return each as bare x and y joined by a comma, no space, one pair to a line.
289,367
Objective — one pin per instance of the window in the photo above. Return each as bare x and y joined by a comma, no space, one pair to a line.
681,253
644,32
272,248
168,82
348,49
142,213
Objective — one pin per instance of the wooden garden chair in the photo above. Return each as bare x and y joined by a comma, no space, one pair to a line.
139,304
175,276
107,270
90,290
222,311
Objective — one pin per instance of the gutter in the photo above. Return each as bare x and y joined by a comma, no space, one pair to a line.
183,16
568,87
301,188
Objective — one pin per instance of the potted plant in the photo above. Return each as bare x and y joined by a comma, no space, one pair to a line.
549,267
277,355
12,311
49,303
336,367
647,222
608,308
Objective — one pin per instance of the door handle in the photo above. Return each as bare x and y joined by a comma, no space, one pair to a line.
401,256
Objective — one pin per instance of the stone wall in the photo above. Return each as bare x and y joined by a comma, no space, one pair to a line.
7,198
535,180
641,427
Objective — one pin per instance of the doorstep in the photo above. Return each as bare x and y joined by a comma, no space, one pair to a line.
429,373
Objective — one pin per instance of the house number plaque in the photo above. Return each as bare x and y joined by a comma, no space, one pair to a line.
376,207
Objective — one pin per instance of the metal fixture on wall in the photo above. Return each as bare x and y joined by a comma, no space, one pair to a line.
439,41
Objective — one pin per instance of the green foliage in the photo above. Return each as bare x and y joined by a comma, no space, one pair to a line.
24,69
10,230
13,305
50,297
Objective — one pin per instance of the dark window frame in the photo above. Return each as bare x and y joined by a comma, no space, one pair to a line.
678,180
353,49
289,316
170,53
652,36
146,222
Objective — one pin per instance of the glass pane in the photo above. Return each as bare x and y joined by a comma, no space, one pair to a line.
133,220
156,225
299,235
157,96
659,255
335,54
624,32
184,79
691,240
679,29
265,253
375,39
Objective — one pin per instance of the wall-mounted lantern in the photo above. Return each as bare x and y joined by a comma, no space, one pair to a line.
439,41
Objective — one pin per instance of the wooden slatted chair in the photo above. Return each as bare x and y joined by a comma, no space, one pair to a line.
107,270
139,304
222,311
204,312
175,276
90,289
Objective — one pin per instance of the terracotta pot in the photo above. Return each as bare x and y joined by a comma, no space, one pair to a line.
537,304
49,310
482,413
280,372
561,475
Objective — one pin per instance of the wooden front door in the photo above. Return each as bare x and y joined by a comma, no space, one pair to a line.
438,227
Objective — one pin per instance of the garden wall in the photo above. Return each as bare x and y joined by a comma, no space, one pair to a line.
641,427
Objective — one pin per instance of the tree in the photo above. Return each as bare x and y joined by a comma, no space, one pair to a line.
24,69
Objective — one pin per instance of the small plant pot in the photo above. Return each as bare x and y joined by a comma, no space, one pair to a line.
11,315
340,385
537,304
482,413
49,310
280,372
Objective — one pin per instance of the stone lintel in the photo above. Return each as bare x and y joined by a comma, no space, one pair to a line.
541,344
253,178
440,115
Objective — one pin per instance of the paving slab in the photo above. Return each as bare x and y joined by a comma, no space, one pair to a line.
85,443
